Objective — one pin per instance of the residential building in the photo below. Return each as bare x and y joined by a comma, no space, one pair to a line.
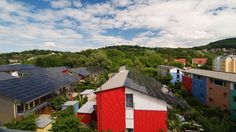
87,113
44,123
89,94
181,60
225,63
215,89
83,72
199,61
32,93
73,104
175,72
130,101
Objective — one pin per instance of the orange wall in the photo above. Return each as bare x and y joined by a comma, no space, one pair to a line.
217,94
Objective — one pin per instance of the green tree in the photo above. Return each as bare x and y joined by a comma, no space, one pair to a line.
57,101
27,123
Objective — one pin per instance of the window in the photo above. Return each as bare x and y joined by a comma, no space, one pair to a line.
224,106
36,102
210,99
198,77
177,71
225,94
219,82
210,89
20,108
211,80
234,86
177,76
129,100
234,98
129,130
31,104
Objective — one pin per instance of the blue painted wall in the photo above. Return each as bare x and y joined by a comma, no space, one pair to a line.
199,88
174,77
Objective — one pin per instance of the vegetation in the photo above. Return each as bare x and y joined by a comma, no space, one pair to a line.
225,43
65,121
27,123
57,101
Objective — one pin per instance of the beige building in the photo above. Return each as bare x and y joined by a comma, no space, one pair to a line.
225,63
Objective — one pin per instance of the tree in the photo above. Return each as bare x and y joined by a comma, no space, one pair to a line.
65,121
58,101
176,64
27,123
166,79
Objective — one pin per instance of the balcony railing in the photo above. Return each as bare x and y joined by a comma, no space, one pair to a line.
34,109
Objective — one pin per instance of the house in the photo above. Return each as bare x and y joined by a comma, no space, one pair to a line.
130,101
32,93
225,63
181,60
43,123
73,104
199,61
215,89
175,72
87,112
89,93
83,72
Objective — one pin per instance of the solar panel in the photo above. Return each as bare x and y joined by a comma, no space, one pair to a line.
39,82
5,76
16,67
86,71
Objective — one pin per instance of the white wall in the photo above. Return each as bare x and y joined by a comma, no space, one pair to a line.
142,102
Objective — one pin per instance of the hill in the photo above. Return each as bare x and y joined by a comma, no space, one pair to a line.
225,43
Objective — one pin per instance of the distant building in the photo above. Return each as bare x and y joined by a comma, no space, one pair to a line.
91,71
130,101
32,93
181,60
89,93
44,123
225,63
199,61
215,89
87,113
175,72
73,104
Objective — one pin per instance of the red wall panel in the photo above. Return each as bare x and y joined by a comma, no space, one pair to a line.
150,121
187,83
111,110
84,118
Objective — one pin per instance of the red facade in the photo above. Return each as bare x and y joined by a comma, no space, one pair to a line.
183,61
84,118
111,110
150,121
187,83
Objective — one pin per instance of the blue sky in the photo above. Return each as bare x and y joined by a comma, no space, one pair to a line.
75,25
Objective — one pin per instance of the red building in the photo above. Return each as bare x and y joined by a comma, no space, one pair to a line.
131,102
183,61
87,113
199,61
187,83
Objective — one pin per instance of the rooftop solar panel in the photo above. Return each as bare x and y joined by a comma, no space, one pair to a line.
5,76
40,82
16,67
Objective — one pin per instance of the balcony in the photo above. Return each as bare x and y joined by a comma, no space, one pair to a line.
34,109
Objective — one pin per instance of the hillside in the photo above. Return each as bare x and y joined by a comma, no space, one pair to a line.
225,43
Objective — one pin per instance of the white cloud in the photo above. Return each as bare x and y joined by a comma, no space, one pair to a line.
49,45
60,3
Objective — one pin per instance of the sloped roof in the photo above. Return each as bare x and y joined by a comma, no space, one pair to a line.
38,83
86,71
213,74
5,76
140,83
87,108
87,91
16,67
43,120
199,60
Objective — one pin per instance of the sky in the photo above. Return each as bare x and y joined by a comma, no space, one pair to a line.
75,25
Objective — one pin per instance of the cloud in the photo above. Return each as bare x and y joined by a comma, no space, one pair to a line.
49,45
74,25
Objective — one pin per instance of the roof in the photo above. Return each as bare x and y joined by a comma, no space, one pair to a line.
199,60
16,67
168,67
141,83
37,83
5,76
87,108
87,91
213,74
70,103
86,71
182,60
43,120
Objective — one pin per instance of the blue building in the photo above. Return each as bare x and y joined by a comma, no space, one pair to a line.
199,88
175,72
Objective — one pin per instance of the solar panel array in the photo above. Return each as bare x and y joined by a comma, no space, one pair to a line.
38,83
152,87
86,71
16,67
5,76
